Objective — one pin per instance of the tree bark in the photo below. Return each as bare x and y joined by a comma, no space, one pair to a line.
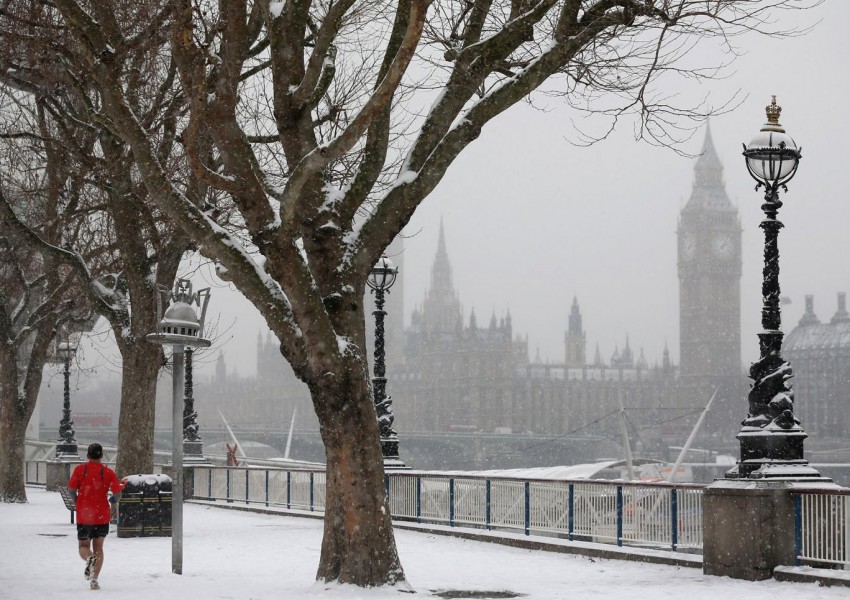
141,362
358,545
13,426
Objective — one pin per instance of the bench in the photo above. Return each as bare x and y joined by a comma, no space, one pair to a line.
70,500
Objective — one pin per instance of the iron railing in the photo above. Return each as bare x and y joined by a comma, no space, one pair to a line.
655,515
822,527
35,472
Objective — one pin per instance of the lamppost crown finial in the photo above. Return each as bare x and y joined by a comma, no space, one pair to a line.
182,291
773,111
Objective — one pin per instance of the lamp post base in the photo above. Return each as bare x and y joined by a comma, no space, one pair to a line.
389,450
193,453
770,453
67,451
785,470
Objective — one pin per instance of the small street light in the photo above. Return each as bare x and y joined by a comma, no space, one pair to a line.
66,446
179,327
771,436
380,280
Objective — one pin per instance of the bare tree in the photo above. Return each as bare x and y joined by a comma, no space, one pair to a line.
31,303
132,249
37,294
321,165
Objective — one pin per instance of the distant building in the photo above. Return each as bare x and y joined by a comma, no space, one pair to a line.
709,253
459,376
819,354
455,375
709,265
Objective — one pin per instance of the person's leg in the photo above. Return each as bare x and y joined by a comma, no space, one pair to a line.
84,539
85,549
98,551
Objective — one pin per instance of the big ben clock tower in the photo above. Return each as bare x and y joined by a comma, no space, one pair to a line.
709,277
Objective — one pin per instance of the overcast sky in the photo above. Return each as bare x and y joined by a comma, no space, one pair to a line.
531,220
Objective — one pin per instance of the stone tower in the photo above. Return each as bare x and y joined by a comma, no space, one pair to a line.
574,340
709,276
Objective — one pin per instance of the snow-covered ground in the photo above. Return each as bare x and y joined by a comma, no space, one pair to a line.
246,556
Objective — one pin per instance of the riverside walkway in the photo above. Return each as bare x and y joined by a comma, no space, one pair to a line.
240,555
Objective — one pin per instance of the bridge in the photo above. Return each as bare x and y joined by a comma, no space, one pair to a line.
420,450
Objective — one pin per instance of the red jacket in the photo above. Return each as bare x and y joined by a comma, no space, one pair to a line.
92,481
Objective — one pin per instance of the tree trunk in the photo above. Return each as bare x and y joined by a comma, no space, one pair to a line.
358,546
14,417
141,362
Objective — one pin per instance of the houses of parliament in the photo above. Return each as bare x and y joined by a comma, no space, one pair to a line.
450,373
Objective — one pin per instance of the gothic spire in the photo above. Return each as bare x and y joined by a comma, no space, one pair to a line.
575,319
441,310
708,163
708,191
441,271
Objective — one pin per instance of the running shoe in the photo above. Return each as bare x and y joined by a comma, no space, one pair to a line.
90,563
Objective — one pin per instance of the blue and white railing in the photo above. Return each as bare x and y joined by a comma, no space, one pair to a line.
822,527
656,515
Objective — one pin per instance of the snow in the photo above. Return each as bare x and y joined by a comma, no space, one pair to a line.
275,8
343,344
141,480
236,555
404,178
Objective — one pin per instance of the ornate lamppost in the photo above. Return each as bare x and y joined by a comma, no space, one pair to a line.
771,437
179,327
380,280
66,446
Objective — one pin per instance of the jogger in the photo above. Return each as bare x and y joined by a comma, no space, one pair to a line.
92,481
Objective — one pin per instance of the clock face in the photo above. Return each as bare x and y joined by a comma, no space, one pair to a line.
723,246
689,246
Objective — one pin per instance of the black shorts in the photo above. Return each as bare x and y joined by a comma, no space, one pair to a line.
90,532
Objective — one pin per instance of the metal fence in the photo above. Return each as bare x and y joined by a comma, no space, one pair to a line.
822,527
293,489
654,515
35,472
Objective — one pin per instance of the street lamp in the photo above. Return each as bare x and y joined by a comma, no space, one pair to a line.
179,327
380,280
66,446
771,436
